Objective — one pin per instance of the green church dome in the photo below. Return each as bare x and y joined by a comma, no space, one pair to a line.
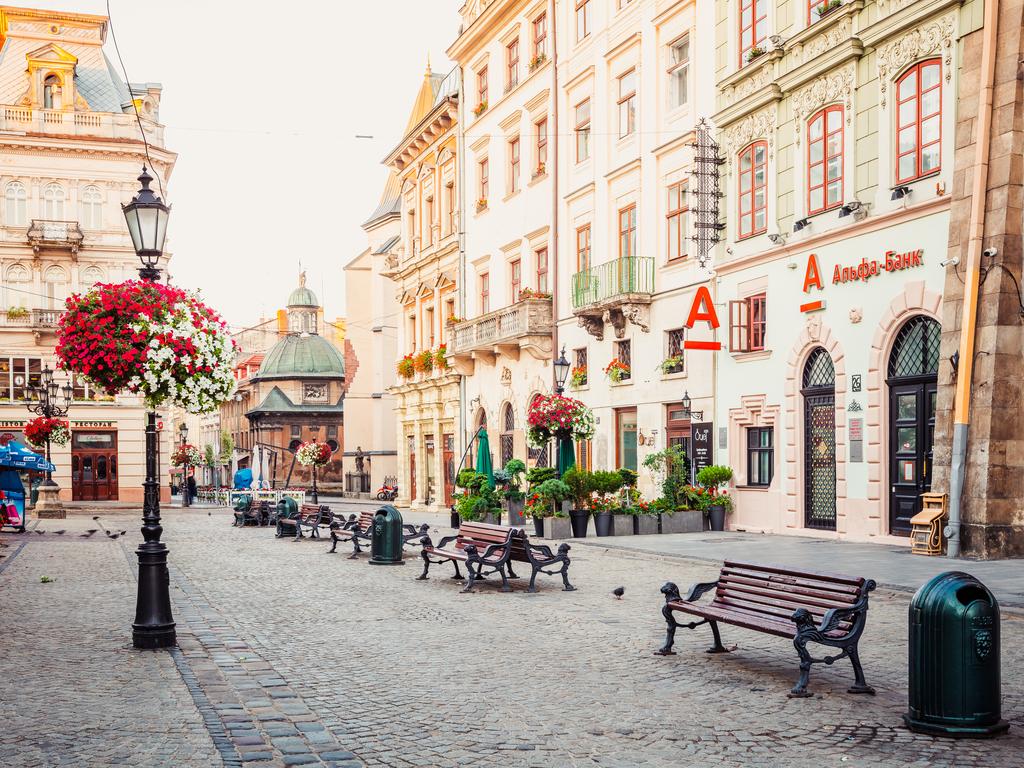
303,356
303,297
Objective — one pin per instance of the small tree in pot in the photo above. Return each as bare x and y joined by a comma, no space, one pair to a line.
512,490
581,488
718,502
537,506
606,485
552,493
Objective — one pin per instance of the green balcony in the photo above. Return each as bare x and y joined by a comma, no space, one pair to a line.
615,292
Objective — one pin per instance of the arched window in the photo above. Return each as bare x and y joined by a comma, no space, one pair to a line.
15,197
92,208
53,202
919,121
752,180
52,93
55,281
915,352
825,160
819,370
508,425
92,275
16,287
539,456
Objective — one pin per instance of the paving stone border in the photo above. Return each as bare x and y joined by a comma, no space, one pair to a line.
8,559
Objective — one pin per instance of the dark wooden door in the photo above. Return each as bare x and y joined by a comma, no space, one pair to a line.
412,468
448,458
94,466
911,434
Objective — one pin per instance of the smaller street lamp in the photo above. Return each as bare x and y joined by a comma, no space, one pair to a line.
687,412
186,497
47,403
561,372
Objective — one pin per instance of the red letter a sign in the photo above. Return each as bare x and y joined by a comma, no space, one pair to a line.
811,276
702,309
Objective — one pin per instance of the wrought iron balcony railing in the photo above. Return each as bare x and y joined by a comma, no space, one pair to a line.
48,232
617,278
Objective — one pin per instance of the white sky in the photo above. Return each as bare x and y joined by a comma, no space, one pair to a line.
262,102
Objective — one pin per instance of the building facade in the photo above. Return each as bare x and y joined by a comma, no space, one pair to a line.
631,93
502,343
71,153
424,268
837,126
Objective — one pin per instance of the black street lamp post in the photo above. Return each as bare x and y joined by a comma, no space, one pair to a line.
687,412
46,404
562,367
147,218
186,496
564,453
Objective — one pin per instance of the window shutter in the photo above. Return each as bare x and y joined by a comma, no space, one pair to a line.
739,336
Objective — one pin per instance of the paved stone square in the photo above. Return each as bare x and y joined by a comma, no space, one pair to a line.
291,656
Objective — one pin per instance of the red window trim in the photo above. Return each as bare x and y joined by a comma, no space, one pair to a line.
823,114
631,228
918,120
741,234
579,251
514,279
742,324
542,272
680,223
485,292
512,64
752,29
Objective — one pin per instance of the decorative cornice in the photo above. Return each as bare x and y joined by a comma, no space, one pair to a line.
926,39
759,125
828,89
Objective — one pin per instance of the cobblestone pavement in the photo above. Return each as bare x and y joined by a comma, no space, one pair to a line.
293,656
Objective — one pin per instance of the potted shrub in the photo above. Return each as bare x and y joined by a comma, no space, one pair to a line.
645,518
556,525
676,506
513,492
716,503
537,506
604,485
581,487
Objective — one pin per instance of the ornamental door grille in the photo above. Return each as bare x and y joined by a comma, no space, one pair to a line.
819,395
912,380
507,442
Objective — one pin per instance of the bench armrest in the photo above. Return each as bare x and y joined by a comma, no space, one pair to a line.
671,591
471,551
835,616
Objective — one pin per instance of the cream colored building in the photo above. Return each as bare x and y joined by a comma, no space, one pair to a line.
71,154
634,79
504,344
424,268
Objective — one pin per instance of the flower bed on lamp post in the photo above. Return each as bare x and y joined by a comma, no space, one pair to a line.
186,455
562,418
41,429
314,455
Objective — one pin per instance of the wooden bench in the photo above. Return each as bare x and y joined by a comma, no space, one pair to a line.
309,516
495,547
254,514
361,529
804,606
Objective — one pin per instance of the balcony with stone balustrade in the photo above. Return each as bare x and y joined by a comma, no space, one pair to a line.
61,123
507,332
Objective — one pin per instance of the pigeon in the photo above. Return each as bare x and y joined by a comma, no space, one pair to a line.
61,532
40,532
88,533
122,533
95,517
114,536
619,592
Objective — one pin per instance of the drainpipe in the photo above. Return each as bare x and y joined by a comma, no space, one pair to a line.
969,316
461,150
554,250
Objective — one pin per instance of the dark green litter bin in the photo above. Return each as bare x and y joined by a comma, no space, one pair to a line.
954,659
386,537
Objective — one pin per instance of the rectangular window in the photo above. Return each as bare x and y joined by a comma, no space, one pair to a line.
428,327
760,456
625,442
542,270
449,192
542,146
296,431
449,309
752,178
583,248
919,121
429,221
676,220
674,351
583,130
679,71
585,455
516,273
624,354
748,324
481,88
483,182
753,26
414,237
627,232
412,332
512,65
825,160
627,104
540,39
583,19
513,166
485,293
580,370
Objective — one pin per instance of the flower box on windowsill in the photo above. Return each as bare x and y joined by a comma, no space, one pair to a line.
539,171
480,108
827,8
755,53
537,61
481,205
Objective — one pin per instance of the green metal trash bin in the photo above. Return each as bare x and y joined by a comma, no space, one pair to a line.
954,659
386,537
286,507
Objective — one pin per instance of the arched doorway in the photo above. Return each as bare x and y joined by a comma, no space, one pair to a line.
912,379
819,393
537,457
508,425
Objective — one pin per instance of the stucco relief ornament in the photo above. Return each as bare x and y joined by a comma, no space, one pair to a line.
919,42
814,326
754,82
827,89
856,315
760,125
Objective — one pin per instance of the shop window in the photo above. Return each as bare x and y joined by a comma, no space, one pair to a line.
748,324
825,160
625,442
752,178
676,220
760,456
919,121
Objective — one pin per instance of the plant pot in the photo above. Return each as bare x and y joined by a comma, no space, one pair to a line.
603,523
515,513
716,515
622,525
579,519
538,526
492,518
645,524
456,521
682,521
557,528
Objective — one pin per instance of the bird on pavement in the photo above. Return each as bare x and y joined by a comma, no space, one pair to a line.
619,592
40,532
95,517
122,533
88,533
61,532
114,536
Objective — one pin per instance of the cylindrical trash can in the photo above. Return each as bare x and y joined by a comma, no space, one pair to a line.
954,659
386,537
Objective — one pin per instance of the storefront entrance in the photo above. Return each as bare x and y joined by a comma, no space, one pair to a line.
912,380
819,393
94,466
448,458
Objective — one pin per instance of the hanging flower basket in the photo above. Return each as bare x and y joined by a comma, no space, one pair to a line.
149,339
186,454
313,454
41,428
558,416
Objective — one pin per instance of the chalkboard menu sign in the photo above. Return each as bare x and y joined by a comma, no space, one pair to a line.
701,436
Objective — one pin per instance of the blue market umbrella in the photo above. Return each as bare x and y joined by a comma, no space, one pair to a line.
17,456
483,457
